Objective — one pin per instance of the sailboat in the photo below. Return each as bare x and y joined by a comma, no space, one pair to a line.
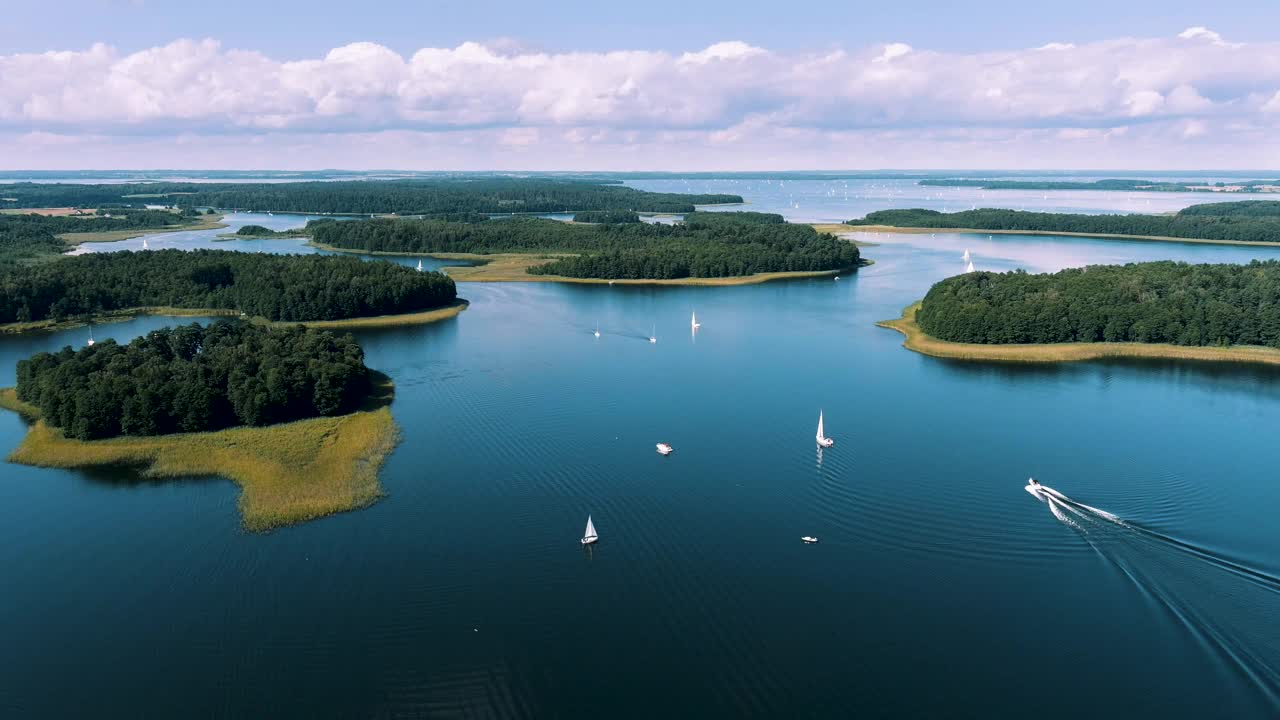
969,268
590,535
694,321
419,266
144,244
597,333
966,255
654,337
90,343
823,440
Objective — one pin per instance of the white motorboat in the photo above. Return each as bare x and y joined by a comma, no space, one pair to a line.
809,540
1036,489
665,449
823,440
90,343
590,535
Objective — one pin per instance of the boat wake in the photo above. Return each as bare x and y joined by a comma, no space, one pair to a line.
1227,606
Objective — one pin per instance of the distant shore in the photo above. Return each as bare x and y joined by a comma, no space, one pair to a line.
918,341
420,317
288,473
511,267
1103,236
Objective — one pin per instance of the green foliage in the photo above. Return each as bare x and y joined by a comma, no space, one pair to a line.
255,231
606,216
276,287
194,379
1254,221
32,236
1157,302
426,196
706,245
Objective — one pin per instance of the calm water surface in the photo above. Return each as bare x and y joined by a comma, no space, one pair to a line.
940,587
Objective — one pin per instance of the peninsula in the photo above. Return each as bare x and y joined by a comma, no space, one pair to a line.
302,426
1159,309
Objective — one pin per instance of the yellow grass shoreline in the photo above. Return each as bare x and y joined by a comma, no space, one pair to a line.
918,341
413,318
1102,236
288,473
207,222
510,267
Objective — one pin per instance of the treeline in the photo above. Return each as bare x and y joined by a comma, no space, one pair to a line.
606,216
1115,185
195,379
1260,222
277,287
704,245
405,197
1156,302
32,236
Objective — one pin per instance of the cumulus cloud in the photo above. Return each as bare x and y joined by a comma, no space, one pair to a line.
1191,87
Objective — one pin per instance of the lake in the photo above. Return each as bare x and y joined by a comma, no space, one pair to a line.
939,588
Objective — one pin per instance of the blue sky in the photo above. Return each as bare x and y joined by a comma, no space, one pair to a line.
654,85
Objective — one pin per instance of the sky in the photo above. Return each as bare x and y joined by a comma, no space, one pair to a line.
660,85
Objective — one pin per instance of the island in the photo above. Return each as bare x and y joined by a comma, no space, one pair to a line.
331,290
1249,222
1157,309
291,415
705,248
259,232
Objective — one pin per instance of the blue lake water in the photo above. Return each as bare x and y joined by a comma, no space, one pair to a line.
939,589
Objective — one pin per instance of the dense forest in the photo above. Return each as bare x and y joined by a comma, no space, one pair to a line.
1115,185
30,236
193,379
704,245
1254,221
1156,302
276,287
405,197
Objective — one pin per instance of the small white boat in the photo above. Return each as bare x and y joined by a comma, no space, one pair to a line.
966,255
665,449
597,332
90,343
809,540
590,535
694,321
837,277
969,268
654,337
145,246
823,440
1036,489
419,266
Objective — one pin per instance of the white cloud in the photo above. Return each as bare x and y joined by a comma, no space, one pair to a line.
1195,87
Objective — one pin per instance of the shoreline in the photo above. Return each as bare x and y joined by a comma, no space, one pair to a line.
1101,236
287,473
207,222
420,317
918,341
510,267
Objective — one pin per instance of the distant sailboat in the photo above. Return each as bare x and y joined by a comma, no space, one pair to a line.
145,246
590,535
965,257
693,322
90,343
419,266
597,332
654,337
823,440
969,268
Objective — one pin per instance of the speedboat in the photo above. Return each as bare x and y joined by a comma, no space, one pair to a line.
809,540
665,449
1036,489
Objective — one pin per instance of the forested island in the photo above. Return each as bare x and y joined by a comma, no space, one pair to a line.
291,288
704,245
1254,221
1112,184
404,197
259,232
292,415
31,236
1166,308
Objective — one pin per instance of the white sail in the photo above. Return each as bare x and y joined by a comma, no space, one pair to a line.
144,244
419,266
821,437
965,257
694,321
969,268
590,534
